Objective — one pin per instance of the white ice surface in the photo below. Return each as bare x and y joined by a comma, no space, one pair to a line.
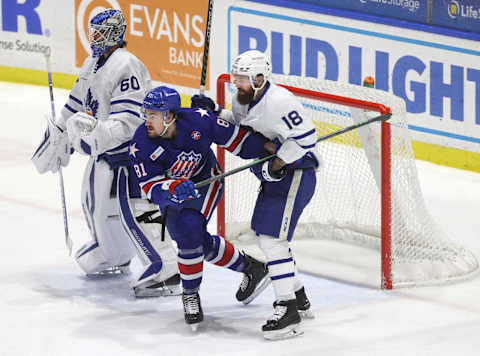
48,307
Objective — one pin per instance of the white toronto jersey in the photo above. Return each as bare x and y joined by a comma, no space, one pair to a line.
113,92
278,114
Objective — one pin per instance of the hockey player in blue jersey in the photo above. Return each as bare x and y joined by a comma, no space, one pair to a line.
98,120
287,182
170,152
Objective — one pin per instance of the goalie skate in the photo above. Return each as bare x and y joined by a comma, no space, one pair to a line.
255,280
284,322
152,288
192,309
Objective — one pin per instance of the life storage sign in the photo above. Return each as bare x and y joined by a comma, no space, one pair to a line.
168,36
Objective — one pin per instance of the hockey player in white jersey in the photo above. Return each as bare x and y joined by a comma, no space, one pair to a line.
100,117
287,182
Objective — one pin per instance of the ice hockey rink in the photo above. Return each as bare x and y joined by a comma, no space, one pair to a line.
48,308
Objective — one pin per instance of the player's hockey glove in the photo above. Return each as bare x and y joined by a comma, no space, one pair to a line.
265,173
272,146
181,190
53,151
204,102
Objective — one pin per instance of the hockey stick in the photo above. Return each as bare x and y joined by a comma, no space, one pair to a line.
207,181
206,47
68,241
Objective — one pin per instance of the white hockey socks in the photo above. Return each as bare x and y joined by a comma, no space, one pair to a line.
280,264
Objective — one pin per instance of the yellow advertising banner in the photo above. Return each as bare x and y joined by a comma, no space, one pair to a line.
167,36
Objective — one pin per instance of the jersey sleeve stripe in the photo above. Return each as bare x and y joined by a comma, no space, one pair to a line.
307,146
126,101
234,135
147,187
78,101
69,108
242,133
127,111
237,150
312,131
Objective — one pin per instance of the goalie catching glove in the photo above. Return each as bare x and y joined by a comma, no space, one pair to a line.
53,151
85,133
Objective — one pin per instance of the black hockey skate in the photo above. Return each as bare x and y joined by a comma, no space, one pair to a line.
192,310
255,280
284,322
169,287
303,304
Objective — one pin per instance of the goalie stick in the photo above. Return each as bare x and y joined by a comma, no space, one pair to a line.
207,181
68,241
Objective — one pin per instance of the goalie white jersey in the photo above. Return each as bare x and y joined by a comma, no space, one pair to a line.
110,90
277,114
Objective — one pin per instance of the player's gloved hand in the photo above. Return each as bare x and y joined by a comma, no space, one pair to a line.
53,151
85,134
272,147
183,189
204,102
265,173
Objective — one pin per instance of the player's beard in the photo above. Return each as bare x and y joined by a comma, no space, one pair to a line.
245,97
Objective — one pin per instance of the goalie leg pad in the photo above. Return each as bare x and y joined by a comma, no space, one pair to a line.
91,258
159,258
102,216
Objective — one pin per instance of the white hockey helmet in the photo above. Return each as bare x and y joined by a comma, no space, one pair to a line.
252,63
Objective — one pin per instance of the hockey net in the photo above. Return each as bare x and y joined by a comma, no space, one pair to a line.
367,190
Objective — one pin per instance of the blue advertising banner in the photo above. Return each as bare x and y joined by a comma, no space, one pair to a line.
460,14
411,10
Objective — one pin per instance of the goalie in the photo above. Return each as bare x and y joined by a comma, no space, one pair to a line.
98,120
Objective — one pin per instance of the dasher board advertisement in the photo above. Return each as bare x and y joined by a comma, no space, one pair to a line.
437,76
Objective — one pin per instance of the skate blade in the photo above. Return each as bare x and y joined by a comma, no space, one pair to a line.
306,314
260,288
107,274
286,333
194,327
158,292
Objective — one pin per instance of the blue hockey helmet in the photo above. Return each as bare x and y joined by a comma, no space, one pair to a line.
163,99
106,30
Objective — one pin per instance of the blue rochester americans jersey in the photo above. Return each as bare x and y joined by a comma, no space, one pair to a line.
158,161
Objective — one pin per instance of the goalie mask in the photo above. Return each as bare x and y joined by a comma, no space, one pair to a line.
106,30
251,64
165,100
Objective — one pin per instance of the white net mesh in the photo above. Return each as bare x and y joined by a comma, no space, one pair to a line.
347,202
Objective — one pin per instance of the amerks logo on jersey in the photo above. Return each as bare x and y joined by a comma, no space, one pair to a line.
196,135
185,165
